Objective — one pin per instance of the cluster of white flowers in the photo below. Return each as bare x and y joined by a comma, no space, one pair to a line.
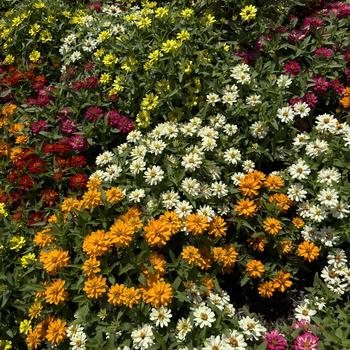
336,274
288,114
180,163
77,337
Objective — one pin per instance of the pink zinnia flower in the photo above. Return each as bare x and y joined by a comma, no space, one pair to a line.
311,99
306,341
40,125
321,84
77,143
68,126
123,123
301,324
323,52
275,341
312,22
292,67
93,113
296,35
337,86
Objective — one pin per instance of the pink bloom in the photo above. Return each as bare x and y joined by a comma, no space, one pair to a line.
337,86
275,341
347,56
301,324
93,113
321,84
311,99
40,125
77,143
123,123
323,52
312,23
89,66
296,35
68,126
292,68
306,341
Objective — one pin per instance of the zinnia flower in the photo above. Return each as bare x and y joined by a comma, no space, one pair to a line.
275,341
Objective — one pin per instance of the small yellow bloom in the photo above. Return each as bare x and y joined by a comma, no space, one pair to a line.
39,5
34,56
161,12
25,327
144,22
3,211
9,59
27,259
21,139
170,45
183,35
209,19
105,78
45,36
149,102
143,119
248,13
17,242
109,59
187,13
104,35
34,29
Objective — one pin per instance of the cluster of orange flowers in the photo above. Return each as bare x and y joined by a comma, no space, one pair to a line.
92,198
51,329
250,185
279,283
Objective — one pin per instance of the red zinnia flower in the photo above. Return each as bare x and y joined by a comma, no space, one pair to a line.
78,182
26,182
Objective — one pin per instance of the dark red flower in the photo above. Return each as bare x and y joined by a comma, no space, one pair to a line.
40,125
78,182
323,52
292,67
62,163
37,167
49,197
93,113
320,84
35,218
78,161
26,182
57,176
12,176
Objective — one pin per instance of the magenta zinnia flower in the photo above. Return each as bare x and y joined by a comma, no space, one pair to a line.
40,125
77,143
323,52
93,113
301,324
311,99
321,84
68,126
275,341
292,68
306,341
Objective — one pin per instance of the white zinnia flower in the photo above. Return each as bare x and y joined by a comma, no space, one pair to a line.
215,343
285,114
154,175
183,327
235,340
212,99
143,337
161,316
232,156
104,158
170,199
137,195
300,170
304,312
252,329
203,317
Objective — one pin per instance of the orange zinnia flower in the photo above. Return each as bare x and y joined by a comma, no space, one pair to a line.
95,287
255,268
246,207
196,224
274,182
121,233
157,233
226,256
249,185
192,256
91,267
308,250
172,220
217,227
56,331
114,195
158,294
272,226
115,294
282,281
266,289
54,260
96,243
55,292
